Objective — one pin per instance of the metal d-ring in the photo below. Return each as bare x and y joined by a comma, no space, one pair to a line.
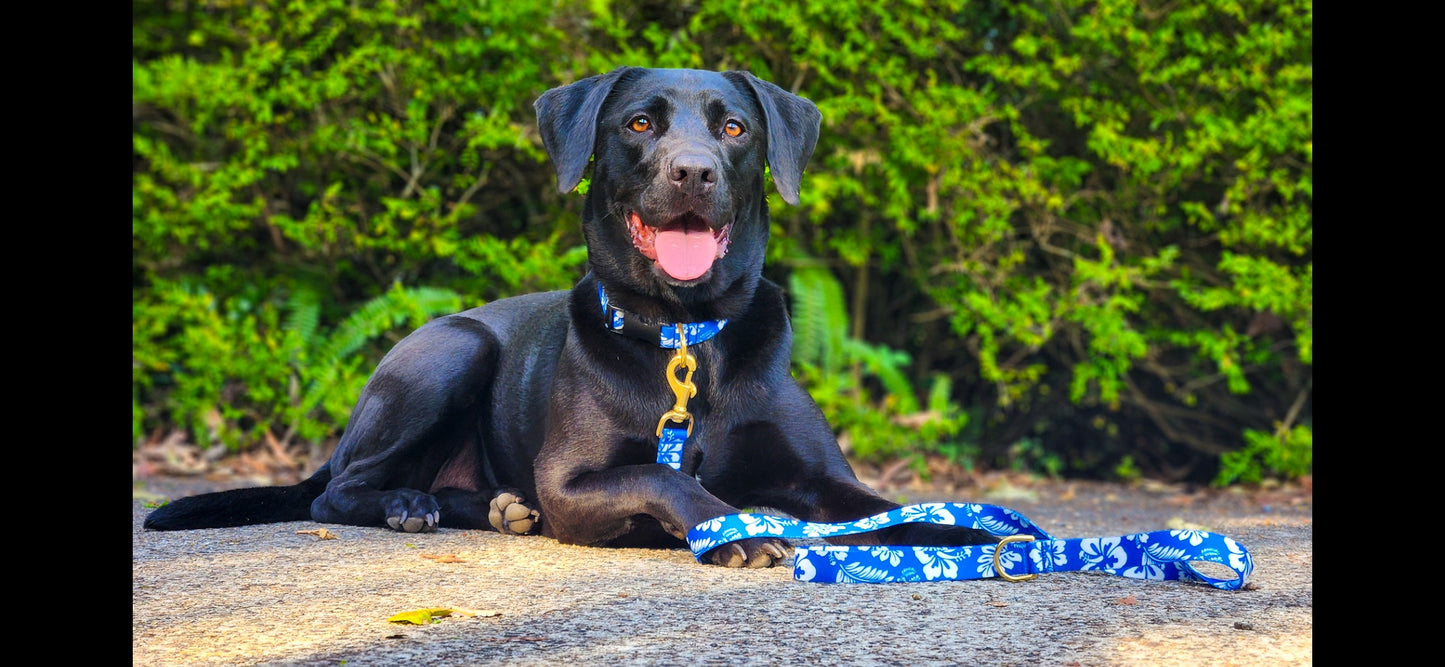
998,551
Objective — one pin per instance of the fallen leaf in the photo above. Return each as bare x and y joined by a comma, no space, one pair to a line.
319,532
1129,600
996,603
421,616
443,558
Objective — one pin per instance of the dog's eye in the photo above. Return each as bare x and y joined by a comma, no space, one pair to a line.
640,124
733,128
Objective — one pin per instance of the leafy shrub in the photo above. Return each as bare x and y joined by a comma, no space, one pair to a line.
1091,220
1284,454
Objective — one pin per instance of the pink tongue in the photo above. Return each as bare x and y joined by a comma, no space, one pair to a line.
686,255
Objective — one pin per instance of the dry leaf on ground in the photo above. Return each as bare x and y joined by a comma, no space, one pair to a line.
444,558
421,616
319,532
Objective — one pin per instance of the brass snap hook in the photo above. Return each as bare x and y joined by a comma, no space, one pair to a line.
682,389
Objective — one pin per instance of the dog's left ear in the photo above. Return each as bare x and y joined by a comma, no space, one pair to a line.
567,119
792,133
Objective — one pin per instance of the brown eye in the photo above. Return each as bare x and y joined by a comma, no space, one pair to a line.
640,124
733,128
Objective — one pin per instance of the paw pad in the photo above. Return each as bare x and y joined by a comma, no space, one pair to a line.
510,516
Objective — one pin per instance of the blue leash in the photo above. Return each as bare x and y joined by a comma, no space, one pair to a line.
1025,552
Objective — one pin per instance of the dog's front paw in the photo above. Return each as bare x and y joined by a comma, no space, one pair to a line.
510,516
411,511
751,552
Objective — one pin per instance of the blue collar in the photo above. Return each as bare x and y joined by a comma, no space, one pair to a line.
663,334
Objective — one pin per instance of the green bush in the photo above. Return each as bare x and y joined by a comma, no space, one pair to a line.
1081,230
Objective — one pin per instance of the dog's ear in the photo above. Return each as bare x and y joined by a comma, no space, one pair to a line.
792,133
567,119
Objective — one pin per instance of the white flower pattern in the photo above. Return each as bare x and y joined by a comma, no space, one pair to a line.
1164,554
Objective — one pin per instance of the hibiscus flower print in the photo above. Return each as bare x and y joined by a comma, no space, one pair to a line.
937,563
869,523
1048,555
1193,537
761,524
1103,553
710,525
886,554
927,512
821,529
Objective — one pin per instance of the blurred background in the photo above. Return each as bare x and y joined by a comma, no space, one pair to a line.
1063,238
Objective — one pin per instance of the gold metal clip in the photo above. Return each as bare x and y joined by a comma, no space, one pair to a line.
682,389
998,551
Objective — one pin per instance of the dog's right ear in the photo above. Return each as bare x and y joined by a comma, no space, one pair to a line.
567,119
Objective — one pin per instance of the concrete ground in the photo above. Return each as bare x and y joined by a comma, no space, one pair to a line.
277,595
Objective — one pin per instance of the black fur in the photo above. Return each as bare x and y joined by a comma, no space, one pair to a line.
528,415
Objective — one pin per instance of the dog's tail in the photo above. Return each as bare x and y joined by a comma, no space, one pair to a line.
241,507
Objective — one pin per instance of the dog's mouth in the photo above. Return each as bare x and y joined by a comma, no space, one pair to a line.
684,247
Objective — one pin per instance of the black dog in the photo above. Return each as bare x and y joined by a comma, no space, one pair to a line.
547,412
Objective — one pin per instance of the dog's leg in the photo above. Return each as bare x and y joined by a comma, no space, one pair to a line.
417,412
598,507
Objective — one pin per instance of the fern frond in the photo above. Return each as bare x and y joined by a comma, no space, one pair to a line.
820,320
303,314
887,365
399,305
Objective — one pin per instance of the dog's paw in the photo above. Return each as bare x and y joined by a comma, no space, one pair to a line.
751,552
410,511
510,516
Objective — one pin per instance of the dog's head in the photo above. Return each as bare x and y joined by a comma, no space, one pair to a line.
676,199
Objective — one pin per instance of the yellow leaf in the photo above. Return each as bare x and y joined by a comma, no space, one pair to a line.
420,616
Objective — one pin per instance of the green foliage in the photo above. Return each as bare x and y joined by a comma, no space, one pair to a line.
845,374
231,369
1126,470
1088,225
295,159
1279,454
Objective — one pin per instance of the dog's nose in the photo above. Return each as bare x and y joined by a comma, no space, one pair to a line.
693,173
